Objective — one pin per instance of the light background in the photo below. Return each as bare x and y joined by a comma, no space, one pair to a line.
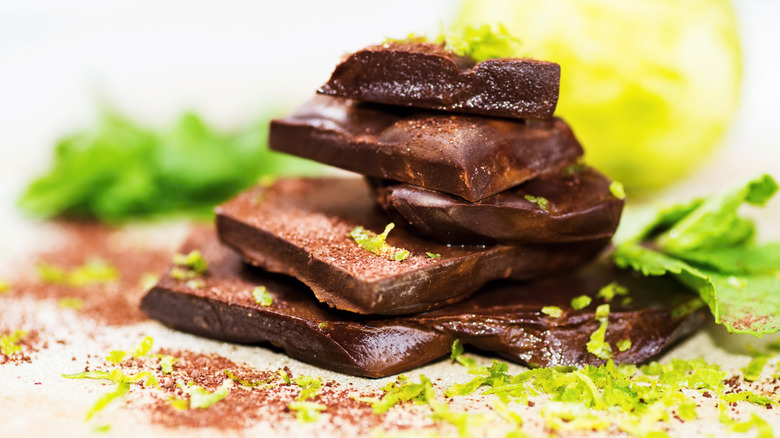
231,60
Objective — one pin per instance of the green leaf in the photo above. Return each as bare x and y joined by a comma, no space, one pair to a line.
119,170
715,222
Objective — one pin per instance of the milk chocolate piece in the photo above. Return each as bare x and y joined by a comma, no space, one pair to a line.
426,76
505,319
561,206
468,156
300,227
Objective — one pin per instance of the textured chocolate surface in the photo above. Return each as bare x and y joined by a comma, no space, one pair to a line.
468,156
300,227
505,319
427,76
579,206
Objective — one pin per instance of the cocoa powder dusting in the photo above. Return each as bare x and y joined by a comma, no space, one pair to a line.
113,302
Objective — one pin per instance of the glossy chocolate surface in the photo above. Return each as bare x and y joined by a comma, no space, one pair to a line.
300,227
579,206
468,156
426,76
503,318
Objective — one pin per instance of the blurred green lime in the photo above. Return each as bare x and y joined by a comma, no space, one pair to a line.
649,86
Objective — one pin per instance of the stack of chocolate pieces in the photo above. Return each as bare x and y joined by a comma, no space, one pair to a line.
493,212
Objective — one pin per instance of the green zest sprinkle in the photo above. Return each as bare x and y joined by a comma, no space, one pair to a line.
610,291
376,244
262,297
71,303
201,398
247,383
540,202
624,345
106,399
617,190
189,266
102,428
552,311
195,283
433,255
306,412
4,286
166,363
9,344
580,302
573,169
148,280
322,325
93,272
309,387
752,371
638,401
481,43
597,345
285,377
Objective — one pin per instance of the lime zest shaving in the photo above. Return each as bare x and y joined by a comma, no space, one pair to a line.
481,43
70,303
9,344
262,297
617,190
540,202
94,271
377,244
189,266
552,311
597,344
610,291
580,302
309,386
306,411
433,255
248,383
623,345
201,398
4,286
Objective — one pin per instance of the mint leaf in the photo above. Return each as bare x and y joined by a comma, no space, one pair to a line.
709,248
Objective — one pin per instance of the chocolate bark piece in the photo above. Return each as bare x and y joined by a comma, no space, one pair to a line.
427,76
224,308
505,319
300,227
468,156
560,206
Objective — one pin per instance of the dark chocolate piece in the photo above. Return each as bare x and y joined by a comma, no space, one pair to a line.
468,156
556,207
505,319
426,76
300,227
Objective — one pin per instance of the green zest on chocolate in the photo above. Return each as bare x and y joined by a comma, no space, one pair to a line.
597,344
262,296
610,291
9,344
540,202
553,311
580,302
707,246
92,272
617,190
481,43
624,345
433,255
189,266
376,243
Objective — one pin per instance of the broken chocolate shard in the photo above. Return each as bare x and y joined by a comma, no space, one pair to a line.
300,227
295,321
555,207
424,75
504,318
468,156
